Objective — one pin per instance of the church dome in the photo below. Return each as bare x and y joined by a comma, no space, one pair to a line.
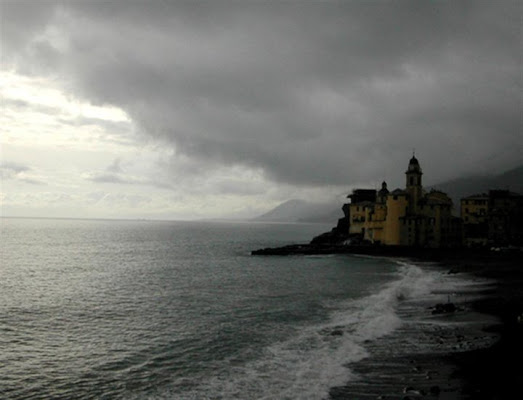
414,165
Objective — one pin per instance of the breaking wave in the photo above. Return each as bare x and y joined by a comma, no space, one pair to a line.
317,357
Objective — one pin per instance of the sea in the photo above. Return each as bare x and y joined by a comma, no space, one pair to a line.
106,309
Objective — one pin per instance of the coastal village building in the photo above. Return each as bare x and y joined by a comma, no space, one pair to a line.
495,218
405,217
415,217
474,210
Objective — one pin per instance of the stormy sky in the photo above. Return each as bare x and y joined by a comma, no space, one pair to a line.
188,109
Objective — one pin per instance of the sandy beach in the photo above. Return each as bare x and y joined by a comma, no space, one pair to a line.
496,372
472,352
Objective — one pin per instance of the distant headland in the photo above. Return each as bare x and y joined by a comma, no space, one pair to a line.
404,220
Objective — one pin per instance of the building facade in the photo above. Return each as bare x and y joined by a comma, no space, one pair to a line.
474,212
493,219
404,217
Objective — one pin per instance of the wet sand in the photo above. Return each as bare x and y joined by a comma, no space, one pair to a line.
474,352
496,372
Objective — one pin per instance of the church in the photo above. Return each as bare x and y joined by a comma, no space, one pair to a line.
403,217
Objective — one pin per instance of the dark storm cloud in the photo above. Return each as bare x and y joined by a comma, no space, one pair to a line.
313,93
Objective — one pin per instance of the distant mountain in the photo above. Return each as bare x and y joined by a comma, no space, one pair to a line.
303,211
458,188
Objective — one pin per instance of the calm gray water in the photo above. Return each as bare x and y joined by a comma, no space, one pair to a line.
180,310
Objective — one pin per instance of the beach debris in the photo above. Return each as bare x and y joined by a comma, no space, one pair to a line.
413,391
444,308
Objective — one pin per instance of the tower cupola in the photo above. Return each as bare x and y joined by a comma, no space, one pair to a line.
414,165
414,186
413,172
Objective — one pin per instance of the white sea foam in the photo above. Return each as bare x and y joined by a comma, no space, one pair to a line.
319,356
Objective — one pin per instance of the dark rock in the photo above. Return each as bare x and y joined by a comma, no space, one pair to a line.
336,236
444,308
435,390
326,238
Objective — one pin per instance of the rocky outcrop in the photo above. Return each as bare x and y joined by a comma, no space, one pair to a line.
326,248
338,235
301,249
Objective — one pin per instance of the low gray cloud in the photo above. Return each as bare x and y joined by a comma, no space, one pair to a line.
118,178
115,167
312,93
115,127
19,172
10,169
111,178
116,174
24,105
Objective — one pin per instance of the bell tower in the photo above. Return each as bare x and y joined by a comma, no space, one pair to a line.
413,186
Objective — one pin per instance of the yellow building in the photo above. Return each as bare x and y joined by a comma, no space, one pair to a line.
358,217
375,224
397,205
405,217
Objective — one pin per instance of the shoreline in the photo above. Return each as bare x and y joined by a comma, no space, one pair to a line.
444,255
434,355
468,365
491,371
495,372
